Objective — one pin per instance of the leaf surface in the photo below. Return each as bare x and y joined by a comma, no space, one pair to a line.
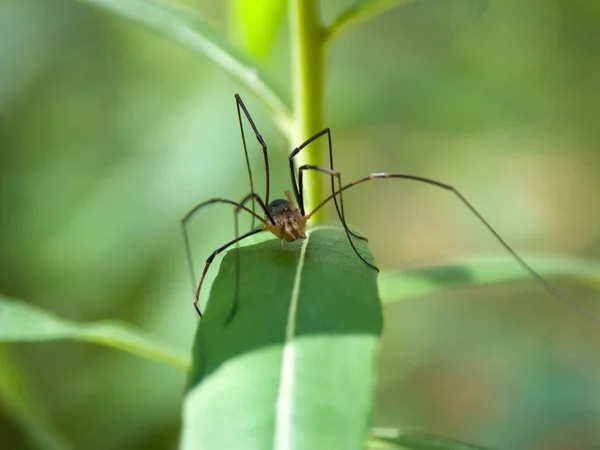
294,368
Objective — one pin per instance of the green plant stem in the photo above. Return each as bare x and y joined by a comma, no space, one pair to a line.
307,69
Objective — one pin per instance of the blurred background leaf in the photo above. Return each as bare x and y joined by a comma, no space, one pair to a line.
429,279
415,440
360,11
186,27
22,406
110,133
255,24
20,322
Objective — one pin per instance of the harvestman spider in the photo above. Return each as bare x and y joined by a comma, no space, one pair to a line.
287,221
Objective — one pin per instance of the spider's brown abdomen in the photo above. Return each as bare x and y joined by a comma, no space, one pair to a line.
278,207
289,222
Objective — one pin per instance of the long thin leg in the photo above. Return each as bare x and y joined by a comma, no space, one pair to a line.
259,138
338,207
239,207
252,196
336,174
210,260
547,286
191,214
298,192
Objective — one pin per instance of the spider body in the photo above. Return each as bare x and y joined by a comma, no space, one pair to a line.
288,222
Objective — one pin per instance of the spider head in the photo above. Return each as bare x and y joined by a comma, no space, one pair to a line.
289,221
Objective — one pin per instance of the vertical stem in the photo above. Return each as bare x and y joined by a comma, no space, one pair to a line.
307,43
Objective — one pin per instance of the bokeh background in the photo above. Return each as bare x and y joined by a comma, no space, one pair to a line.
110,133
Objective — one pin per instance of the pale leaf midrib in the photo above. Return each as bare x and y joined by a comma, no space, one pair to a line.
282,432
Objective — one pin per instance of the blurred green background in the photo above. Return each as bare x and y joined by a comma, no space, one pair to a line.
109,134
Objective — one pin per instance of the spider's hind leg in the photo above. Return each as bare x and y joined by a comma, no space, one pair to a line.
298,187
340,208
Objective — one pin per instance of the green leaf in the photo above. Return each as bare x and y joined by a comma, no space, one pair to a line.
255,24
294,368
21,322
183,25
418,440
361,11
17,400
402,285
